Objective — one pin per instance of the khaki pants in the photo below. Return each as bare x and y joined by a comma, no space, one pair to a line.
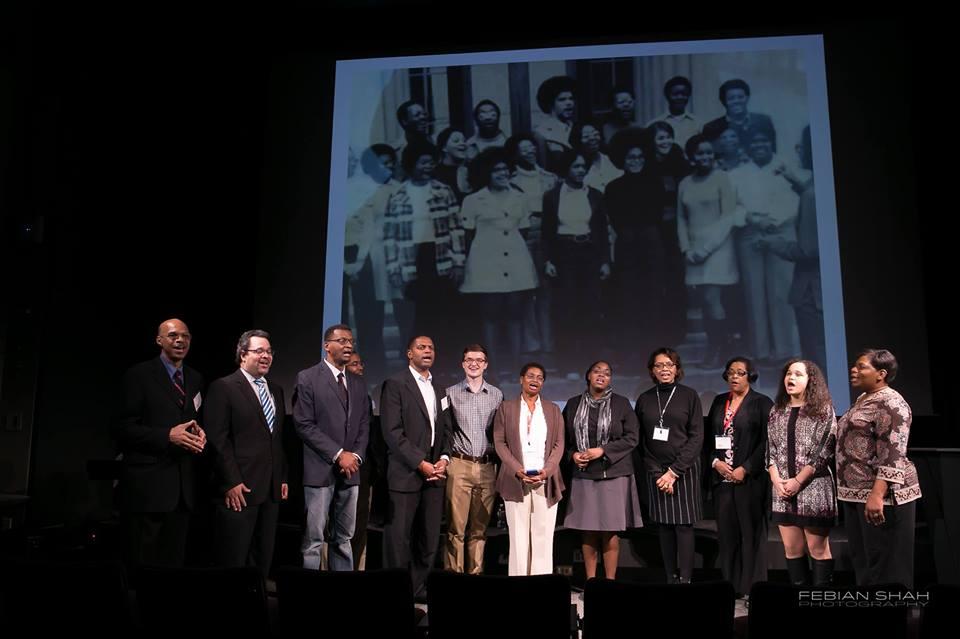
471,491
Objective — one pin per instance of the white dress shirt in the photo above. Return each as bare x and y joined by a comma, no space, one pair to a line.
573,211
256,390
425,384
533,435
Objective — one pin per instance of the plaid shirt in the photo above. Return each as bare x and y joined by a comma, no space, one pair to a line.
473,430
398,245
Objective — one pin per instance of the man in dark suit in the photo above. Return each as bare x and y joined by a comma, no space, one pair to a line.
160,440
414,419
244,417
331,415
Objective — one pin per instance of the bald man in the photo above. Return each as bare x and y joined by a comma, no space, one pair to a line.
161,440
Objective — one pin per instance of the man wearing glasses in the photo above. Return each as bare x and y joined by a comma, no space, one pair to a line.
472,473
331,415
244,417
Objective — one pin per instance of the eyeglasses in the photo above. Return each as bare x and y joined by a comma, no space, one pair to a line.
533,378
662,365
732,373
260,351
474,360
342,341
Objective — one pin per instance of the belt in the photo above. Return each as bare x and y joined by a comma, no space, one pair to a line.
489,458
576,239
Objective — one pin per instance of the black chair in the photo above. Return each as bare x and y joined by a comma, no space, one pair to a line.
612,608
45,597
377,603
219,601
482,606
786,611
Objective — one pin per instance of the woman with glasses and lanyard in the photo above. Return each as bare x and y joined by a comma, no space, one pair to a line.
736,443
671,426
601,434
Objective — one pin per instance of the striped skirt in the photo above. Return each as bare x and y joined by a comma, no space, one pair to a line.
684,506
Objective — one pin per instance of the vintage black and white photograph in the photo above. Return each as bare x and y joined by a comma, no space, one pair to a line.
561,208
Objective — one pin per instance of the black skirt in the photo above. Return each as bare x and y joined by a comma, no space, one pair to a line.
684,506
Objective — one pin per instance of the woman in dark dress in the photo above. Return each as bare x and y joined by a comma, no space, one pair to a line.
736,443
671,166
577,250
671,427
801,439
634,205
601,433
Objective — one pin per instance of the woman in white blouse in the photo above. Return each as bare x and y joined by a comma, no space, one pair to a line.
528,436
577,251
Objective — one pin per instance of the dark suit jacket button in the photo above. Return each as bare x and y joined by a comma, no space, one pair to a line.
505,254
506,274
506,232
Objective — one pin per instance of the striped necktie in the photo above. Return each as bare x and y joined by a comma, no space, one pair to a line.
265,402
178,388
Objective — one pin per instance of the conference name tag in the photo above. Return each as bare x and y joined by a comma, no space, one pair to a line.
444,403
661,434
197,400
722,443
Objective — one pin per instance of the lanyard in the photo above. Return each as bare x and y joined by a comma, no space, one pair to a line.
663,409
727,416
529,419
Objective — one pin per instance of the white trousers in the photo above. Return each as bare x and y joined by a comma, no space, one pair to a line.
531,523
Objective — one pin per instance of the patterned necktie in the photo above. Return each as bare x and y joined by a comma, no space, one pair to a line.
178,387
265,402
342,385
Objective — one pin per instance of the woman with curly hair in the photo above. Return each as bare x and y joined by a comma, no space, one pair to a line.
801,439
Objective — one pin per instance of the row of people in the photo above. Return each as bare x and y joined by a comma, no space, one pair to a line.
527,241
464,444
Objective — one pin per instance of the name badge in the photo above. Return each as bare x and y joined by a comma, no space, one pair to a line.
197,400
722,443
661,434
444,403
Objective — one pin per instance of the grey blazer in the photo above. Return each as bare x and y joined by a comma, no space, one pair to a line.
326,424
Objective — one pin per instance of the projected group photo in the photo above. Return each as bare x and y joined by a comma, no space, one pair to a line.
570,205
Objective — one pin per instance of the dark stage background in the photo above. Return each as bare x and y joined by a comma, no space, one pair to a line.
177,165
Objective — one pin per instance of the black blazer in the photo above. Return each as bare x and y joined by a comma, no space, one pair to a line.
405,424
243,448
749,433
599,236
156,474
617,459
326,425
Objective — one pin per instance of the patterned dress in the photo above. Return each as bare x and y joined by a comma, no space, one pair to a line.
795,440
